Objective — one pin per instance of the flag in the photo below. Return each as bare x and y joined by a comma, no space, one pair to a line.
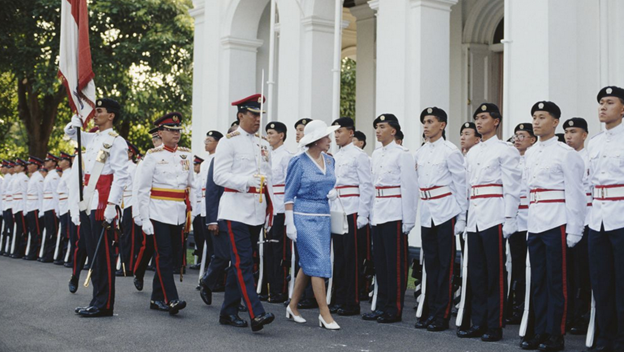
75,58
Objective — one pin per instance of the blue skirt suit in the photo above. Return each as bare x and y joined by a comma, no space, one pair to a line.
307,186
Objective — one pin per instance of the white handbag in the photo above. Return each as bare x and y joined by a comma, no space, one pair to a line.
339,224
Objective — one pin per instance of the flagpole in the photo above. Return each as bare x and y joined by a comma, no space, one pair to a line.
337,56
271,82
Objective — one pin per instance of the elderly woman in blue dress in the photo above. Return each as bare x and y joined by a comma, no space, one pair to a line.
310,182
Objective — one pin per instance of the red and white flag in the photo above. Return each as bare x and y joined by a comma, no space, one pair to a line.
75,58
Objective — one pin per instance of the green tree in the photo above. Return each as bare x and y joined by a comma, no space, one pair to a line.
347,88
142,57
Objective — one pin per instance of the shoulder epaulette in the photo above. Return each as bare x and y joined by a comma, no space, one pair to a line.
154,150
184,149
113,134
232,134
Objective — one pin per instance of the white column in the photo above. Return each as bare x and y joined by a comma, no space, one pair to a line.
365,73
198,124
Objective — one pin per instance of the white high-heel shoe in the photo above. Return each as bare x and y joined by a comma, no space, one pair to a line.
332,326
297,318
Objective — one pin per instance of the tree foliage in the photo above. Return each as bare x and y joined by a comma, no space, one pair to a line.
347,88
142,57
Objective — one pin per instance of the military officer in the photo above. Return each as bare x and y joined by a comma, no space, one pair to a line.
393,216
18,189
198,224
165,187
606,224
242,166
50,207
359,139
129,246
494,180
7,208
299,127
68,228
34,200
442,179
106,175
468,136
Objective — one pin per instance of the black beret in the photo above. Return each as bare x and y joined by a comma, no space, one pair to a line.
235,123
547,106
611,91
390,119
435,111
560,137
470,125
171,120
526,127
275,125
576,122
110,105
360,136
399,135
487,107
304,121
344,122
214,134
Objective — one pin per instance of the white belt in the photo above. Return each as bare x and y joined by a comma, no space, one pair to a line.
435,192
547,196
348,191
49,194
204,192
31,197
486,191
279,189
388,192
609,192
524,203
589,198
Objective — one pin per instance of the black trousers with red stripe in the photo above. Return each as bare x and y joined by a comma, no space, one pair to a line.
240,276
7,231
365,255
486,273
202,237
167,245
35,227
130,241
390,250
438,244
347,266
579,288
213,276
80,250
103,266
549,287
146,253
275,250
51,224
68,230
518,251
21,233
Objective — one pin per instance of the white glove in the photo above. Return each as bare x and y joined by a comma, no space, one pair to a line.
138,221
333,194
41,214
148,228
361,221
460,226
110,213
465,235
76,219
76,121
573,239
253,181
291,230
509,227
407,228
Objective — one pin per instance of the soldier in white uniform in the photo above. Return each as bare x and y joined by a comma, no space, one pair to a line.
359,139
468,136
392,217
68,228
50,207
129,244
277,246
606,223
355,196
198,225
494,180
242,166
7,205
299,127
34,201
18,189
165,189
106,175
554,175
442,180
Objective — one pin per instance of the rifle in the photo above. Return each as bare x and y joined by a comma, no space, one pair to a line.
105,226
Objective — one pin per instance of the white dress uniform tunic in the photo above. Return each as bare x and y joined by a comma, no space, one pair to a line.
34,198
50,210
19,188
50,197
280,158
34,215
523,208
7,214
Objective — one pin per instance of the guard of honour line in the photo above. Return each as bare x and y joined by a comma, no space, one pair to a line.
537,220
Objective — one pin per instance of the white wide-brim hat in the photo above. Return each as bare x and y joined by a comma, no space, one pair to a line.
316,130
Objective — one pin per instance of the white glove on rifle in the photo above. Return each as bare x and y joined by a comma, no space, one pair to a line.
148,228
291,230
407,228
361,221
509,227
138,221
253,181
573,239
76,121
460,226
333,194
110,213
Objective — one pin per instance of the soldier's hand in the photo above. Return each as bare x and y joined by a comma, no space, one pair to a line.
333,194
110,213
509,227
361,221
76,121
407,228
214,228
572,239
138,221
148,228
253,181
460,226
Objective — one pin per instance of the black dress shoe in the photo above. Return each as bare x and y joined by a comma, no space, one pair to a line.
438,326
138,283
579,328
261,320
333,308
86,267
263,297
45,260
175,306
119,273
233,320
58,262
307,304
277,298
492,335
78,309
205,294
242,308
372,315
423,323
159,305
475,331
29,258
532,343
68,265
348,311
73,284
39,259
554,343
388,318
515,319
95,312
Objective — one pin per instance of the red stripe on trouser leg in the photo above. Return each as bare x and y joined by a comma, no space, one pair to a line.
357,272
399,278
108,270
448,305
239,272
132,248
157,258
501,278
76,249
182,247
564,282
141,251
